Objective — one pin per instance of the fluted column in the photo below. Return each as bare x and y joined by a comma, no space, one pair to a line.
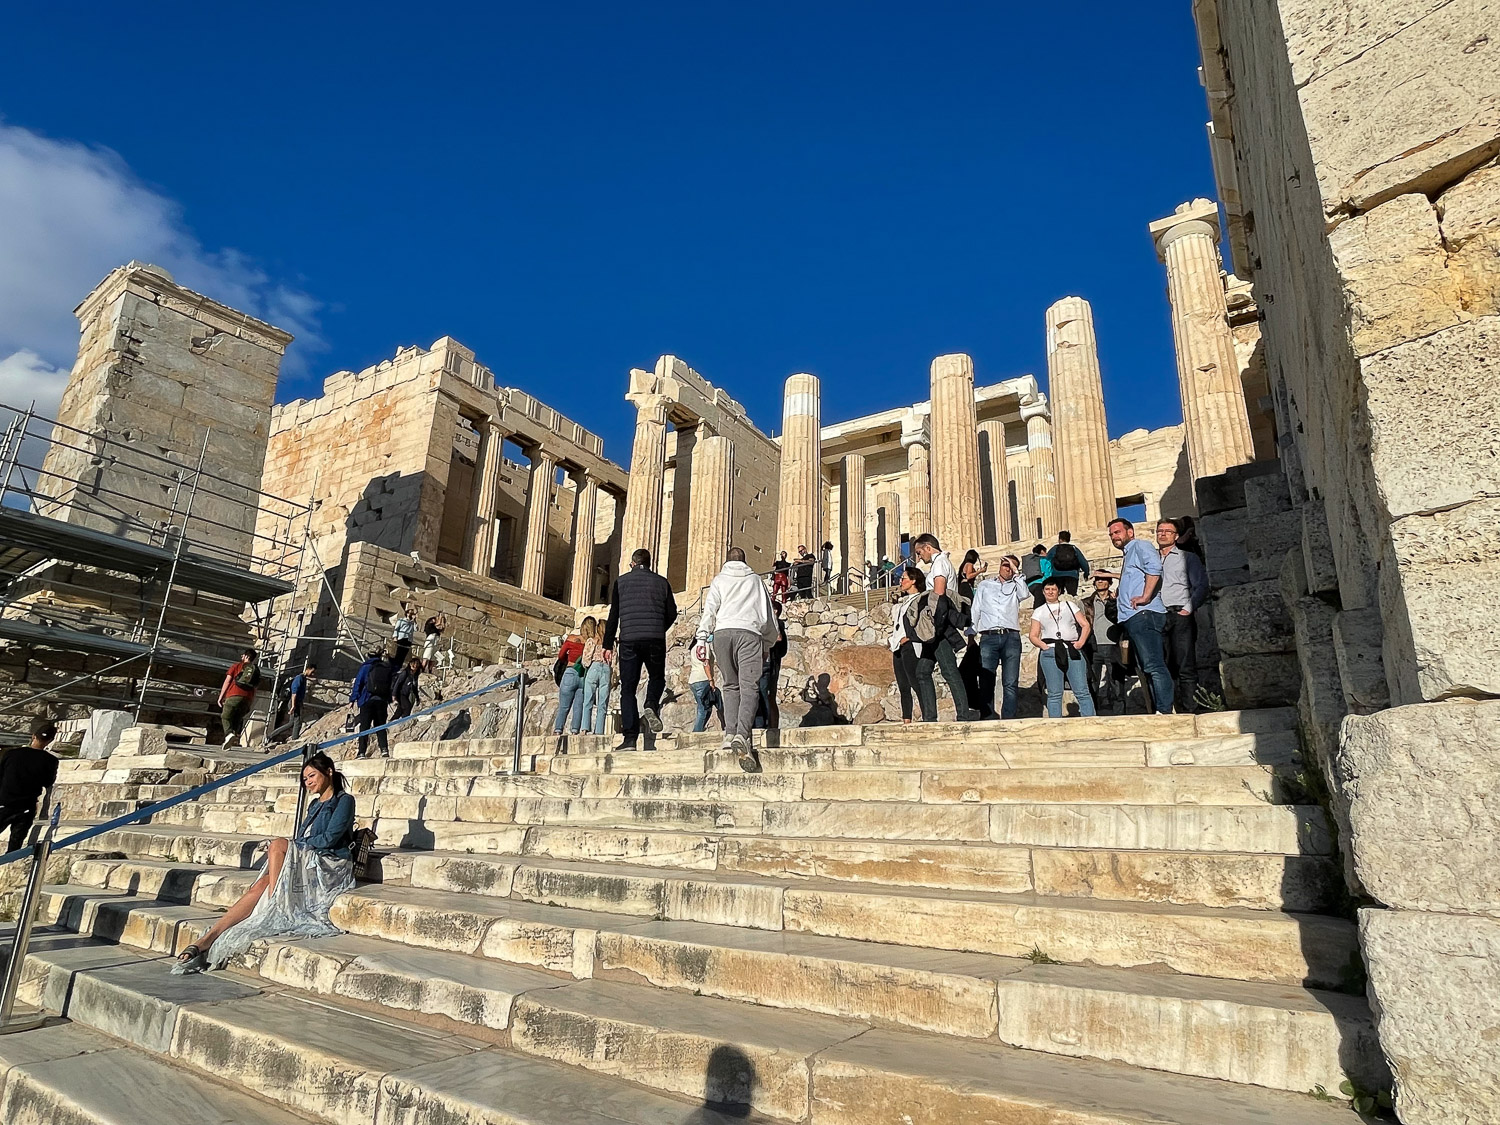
1020,472
956,512
800,513
648,459
994,480
856,549
1085,478
538,508
915,439
482,527
1208,375
585,505
891,502
709,500
1043,466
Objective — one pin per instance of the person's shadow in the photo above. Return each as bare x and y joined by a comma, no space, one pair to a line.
823,709
728,1085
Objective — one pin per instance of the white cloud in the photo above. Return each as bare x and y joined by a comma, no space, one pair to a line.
71,214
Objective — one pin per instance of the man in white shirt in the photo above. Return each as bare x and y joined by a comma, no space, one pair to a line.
737,613
942,581
997,624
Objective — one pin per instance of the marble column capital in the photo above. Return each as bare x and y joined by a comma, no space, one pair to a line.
1036,408
1200,217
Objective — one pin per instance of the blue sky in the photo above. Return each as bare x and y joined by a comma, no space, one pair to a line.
574,189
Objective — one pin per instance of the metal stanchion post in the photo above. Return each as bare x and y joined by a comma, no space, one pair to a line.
9,1022
515,762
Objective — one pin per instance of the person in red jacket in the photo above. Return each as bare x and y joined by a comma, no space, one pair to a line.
237,696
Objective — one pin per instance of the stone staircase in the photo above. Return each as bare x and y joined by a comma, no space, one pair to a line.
1116,921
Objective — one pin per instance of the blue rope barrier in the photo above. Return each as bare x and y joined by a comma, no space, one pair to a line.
249,771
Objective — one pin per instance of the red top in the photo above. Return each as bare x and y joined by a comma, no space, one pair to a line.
571,650
235,689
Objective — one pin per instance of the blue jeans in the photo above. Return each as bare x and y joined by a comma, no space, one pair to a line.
1145,628
1078,680
708,700
1001,651
596,696
569,702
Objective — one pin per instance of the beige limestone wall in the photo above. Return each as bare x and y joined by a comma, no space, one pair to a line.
160,368
1150,467
1366,188
481,612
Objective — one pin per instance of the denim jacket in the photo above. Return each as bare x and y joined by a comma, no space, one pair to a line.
329,825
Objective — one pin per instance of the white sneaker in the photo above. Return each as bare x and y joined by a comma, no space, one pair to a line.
230,740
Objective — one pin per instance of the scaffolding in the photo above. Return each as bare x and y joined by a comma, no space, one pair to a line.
130,579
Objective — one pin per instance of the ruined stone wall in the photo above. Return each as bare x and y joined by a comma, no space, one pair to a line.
481,612
159,368
1366,199
1152,464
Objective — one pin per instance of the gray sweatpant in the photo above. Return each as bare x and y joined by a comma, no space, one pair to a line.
739,655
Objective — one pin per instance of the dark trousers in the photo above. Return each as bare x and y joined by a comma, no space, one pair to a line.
1180,640
913,673
403,650
1037,598
18,818
1068,582
633,656
971,669
768,711
947,662
373,713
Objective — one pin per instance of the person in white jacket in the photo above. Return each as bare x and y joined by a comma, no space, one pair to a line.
737,614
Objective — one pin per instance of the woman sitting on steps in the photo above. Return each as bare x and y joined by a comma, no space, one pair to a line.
303,876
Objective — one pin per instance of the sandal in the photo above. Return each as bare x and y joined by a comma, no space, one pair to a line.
191,960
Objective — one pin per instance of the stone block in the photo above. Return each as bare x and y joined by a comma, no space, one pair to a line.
1396,276
1252,618
1423,788
1409,114
103,733
1262,680
1437,1006
1436,645
1357,636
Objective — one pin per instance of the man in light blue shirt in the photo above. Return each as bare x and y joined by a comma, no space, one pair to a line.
1141,612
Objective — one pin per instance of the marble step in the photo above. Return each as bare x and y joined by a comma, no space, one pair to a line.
320,1057
68,1072
605,866
1281,1038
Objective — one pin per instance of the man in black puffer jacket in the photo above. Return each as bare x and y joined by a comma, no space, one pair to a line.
641,610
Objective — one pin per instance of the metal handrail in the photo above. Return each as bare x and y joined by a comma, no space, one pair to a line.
45,844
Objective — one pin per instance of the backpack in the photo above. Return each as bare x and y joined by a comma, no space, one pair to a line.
378,681
249,676
361,847
1065,557
1031,568
925,625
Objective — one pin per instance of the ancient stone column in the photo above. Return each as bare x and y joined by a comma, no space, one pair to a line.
914,439
994,479
648,458
709,500
956,511
585,506
800,513
538,508
1085,478
482,528
856,550
1043,466
1020,472
891,502
1208,375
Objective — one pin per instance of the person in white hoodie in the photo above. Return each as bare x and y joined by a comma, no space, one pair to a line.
737,614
